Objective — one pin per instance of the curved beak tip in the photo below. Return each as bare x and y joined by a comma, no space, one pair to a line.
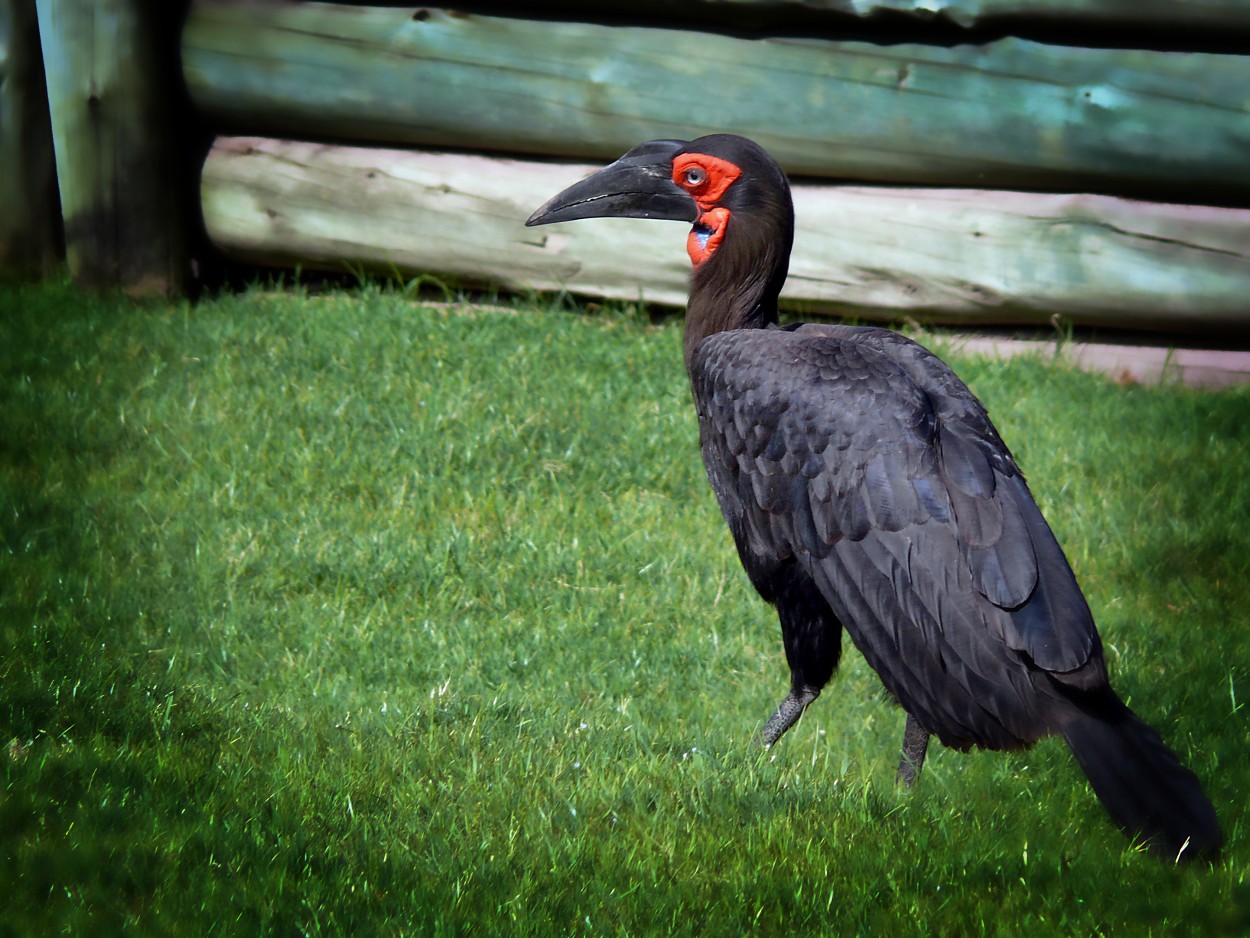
537,217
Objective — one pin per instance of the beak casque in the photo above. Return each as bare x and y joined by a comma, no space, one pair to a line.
638,185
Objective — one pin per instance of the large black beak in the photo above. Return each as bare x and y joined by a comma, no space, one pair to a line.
638,185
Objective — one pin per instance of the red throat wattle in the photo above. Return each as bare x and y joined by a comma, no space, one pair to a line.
706,178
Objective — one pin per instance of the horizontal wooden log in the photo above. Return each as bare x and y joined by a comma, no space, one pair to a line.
1011,114
880,253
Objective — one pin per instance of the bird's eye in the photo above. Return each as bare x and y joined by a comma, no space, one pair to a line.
694,176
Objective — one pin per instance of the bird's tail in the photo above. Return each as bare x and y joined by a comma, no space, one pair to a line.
1141,783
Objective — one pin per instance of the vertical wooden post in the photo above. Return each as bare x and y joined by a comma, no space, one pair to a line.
30,231
115,141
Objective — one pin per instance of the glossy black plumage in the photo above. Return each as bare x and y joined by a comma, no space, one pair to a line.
866,488
861,460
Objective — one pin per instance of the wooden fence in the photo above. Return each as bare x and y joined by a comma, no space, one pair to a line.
29,237
998,179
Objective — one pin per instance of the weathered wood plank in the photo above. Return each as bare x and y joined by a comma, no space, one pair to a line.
881,253
29,235
115,163
1011,114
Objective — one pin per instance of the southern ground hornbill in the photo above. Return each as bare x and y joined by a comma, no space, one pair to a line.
866,489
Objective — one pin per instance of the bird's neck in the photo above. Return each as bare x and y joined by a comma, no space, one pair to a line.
737,288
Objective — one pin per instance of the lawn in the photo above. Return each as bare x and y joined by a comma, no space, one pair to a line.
349,614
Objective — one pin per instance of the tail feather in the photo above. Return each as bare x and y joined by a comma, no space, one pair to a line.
1142,784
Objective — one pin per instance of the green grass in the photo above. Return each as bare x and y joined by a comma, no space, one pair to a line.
346,615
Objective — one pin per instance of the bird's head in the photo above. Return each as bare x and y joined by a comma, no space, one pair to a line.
727,187
737,201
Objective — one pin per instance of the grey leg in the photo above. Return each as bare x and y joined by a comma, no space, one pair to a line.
915,744
786,715
813,643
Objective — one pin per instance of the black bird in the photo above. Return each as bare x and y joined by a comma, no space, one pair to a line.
866,489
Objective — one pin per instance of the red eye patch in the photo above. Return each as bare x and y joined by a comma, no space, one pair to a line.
705,177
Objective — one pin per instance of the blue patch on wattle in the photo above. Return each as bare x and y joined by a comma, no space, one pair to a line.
703,232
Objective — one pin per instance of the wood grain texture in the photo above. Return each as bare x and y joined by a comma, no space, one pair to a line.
1011,114
123,225
29,235
962,256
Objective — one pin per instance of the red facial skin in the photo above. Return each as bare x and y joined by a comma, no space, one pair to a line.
706,178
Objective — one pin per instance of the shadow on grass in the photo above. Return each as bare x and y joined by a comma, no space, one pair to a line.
130,803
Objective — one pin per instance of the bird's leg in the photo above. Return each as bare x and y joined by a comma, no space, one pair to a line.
915,744
813,642
787,714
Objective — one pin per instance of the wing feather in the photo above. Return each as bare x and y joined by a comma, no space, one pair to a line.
863,457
